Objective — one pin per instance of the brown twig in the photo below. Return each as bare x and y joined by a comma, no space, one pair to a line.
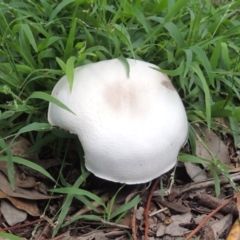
211,202
59,237
194,186
200,225
148,207
24,225
133,224
115,224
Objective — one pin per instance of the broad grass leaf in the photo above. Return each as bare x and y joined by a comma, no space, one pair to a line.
40,28
28,128
214,60
41,143
87,203
6,114
201,56
124,36
9,236
216,181
70,41
189,59
60,133
193,159
226,113
9,159
207,94
34,127
46,97
142,19
61,64
125,207
111,203
124,61
234,123
225,56
89,37
11,81
231,32
70,71
175,72
67,202
29,164
28,32
24,48
97,48
231,86
175,33
77,191
19,108
49,41
117,51
158,7
59,8
175,9
88,217
192,140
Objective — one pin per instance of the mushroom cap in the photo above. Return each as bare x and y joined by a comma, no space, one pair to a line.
131,126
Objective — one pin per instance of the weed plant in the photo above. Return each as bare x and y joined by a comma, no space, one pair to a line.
195,42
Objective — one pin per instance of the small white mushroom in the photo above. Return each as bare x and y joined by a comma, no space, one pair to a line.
131,126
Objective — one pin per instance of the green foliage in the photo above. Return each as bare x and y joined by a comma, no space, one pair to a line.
9,236
195,42
190,41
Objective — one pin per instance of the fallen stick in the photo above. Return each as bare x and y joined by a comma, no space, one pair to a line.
200,225
200,185
213,202
133,224
148,207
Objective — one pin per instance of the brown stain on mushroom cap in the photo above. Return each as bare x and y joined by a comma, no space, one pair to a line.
132,99
168,84
123,97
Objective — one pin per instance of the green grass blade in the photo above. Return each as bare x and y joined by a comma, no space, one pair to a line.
61,64
207,94
193,159
174,72
29,35
59,8
175,33
87,217
172,12
125,63
142,19
9,159
205,62
124,36
216,181
70,40
76,191
234,123
34,127
70,71
111,203
214,60
225,56
29,164
125,207
46,97
67,202
9,236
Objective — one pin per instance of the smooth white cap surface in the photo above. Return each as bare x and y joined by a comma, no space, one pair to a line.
131,127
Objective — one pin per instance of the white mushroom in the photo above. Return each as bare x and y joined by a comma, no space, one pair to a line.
131,126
